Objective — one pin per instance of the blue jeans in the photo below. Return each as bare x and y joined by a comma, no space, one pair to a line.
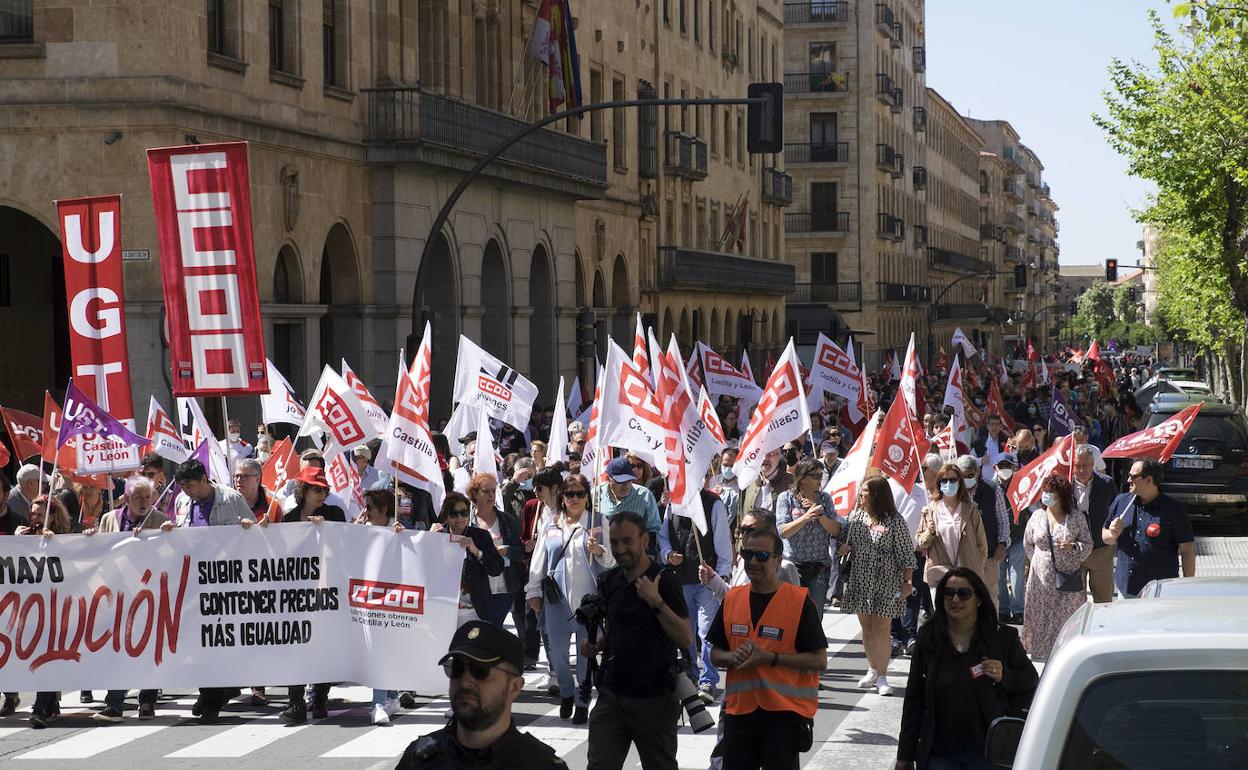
117,698
381,696
1011,573
818,588
561,627
702,608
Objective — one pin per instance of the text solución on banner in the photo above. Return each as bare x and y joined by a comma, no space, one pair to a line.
224,606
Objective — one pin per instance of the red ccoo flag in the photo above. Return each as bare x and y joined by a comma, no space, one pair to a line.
1158,442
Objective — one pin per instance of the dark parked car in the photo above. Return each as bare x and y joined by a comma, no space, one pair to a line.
1209,471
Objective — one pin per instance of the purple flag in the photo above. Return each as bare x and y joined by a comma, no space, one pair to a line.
1062,419
81,415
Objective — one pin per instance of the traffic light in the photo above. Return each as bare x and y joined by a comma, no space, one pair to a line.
1131,294
1111,271
765,120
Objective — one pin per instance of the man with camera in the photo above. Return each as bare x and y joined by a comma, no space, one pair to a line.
646,622
769,637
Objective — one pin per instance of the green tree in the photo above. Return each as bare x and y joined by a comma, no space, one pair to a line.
1094,310
1124,307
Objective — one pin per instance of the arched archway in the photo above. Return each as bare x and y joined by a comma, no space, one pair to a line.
684,332
582,298
288,352
620,296
287,278
340,293
542,324
496,322
437,301
715,334
730,330
599,299
32,310
669,327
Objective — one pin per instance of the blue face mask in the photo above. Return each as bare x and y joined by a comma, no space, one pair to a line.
527,485
728,473
1048,499
948,488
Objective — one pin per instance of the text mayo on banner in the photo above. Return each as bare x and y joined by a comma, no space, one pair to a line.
215,607
202,204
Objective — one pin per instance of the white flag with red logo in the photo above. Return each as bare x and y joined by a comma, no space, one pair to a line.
344,481
166,441
901,445
337,413
407,446
557,447
909,378
955,397
723,379
629,413
375,412
590,456
485,383
642,359
1159,442
1025,486
844,484
780,417
280,403
282,466
835,372
746,369
195,433
693,368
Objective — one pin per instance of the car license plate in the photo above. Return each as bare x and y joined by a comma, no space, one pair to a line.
1193,463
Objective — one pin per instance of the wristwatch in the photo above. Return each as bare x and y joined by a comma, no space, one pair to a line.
657,609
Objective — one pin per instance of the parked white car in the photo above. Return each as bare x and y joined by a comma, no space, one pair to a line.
1160,684
1196,587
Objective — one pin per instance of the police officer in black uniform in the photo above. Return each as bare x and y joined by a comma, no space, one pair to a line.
485,665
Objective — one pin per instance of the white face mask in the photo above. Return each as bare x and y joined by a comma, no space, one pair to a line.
236,437
971,481
1005,474
948,488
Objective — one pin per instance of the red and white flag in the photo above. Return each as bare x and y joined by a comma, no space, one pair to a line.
26,432
844,485
724,379
591,456
375,412
344,481
955,397
1101,370
996,405
202,201
282,466
833,371
164,435
945,444
407,445
337,413
910,379
901,445
629,412
280,405
693,368
1025,486
780,417
894,367
1029,381
1159,442
746,369
641,357
485,383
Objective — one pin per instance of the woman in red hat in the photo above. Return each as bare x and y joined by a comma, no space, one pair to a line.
311,488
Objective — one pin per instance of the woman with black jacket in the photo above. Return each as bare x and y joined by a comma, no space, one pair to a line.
482,563
504,531
967,670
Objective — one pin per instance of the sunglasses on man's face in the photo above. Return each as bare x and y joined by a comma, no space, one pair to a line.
762,557
455,668
961,593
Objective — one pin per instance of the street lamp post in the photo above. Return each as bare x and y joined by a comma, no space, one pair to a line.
931,335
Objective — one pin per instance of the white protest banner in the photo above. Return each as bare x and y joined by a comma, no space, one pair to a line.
214,607
485,460
484,382
280,405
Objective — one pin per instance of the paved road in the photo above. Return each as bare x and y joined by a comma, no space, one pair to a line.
853,729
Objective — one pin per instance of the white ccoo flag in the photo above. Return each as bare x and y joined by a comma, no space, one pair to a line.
280,404
486,383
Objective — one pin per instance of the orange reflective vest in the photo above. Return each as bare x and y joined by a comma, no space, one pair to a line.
774,688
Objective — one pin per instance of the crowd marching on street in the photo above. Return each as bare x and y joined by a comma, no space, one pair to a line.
659,578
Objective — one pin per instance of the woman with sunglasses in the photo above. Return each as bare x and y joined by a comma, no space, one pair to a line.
807,522
880,581
568,552
967,670
1060,525
951,529
483,561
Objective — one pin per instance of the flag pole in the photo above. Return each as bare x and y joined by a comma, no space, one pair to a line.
225,419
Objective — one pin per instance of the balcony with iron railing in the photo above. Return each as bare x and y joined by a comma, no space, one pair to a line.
884,19
1014,222
904,292
920,119
777,186
686,156
991,232
823,152
920,58
1044,191
952,260
409,125
681,268
816,222
887,91
895,37
1013,190
920,177
826,82
920,235
817,12
1014,254
843,296
889,160
889,227
1014,157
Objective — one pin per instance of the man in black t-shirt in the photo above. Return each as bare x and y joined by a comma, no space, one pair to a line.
646,622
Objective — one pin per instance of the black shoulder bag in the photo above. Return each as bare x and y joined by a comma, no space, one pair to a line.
1069,582
550,587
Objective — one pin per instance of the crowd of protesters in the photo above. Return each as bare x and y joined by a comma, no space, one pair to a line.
739,605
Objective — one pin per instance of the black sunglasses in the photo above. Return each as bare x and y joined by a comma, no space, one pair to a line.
575,493
457,512
455,668
962,593
762,557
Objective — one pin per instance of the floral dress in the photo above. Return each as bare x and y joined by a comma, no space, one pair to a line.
881,555
1046,608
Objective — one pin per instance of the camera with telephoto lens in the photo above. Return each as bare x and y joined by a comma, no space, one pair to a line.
700,720
590,613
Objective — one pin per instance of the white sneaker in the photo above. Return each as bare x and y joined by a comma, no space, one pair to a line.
868,680
392,706
380,717
882,687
